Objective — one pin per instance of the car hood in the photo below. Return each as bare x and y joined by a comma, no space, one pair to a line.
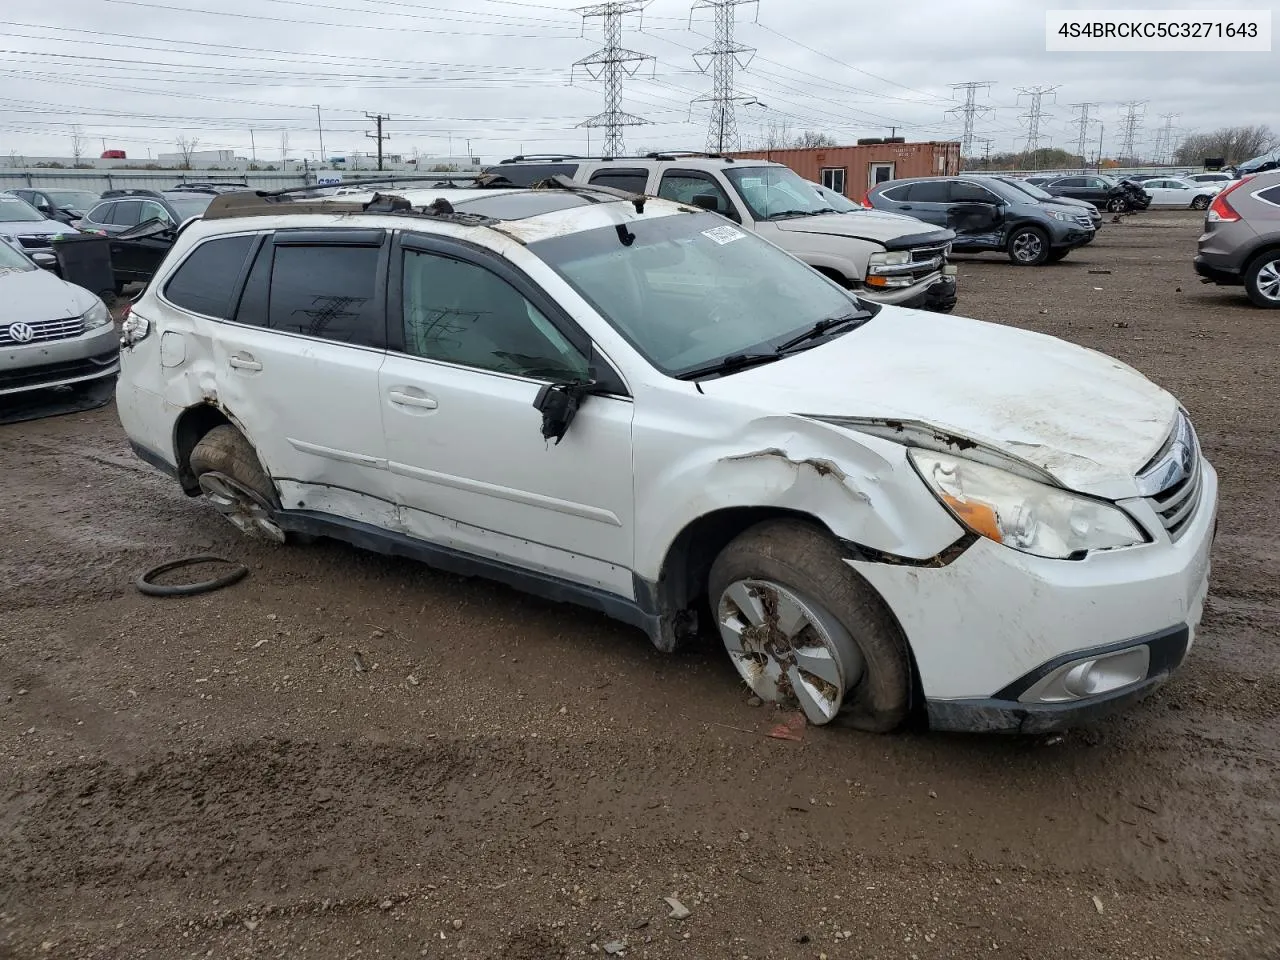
1071,202
36,295
33,228
1086,419
877,225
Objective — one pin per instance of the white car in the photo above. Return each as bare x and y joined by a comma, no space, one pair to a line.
1177,192
634,405
52,333
1219,178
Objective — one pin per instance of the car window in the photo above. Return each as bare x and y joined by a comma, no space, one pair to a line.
17,210
689,290
11,261
896,194
775,192
152,211
100,214
527,174
127,213
459,312
1069,182
1097,183
964,192
191,205
1270,195
930,191
632,181
683,187
326,291
207,278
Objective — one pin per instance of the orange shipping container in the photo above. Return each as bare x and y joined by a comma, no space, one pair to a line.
852,170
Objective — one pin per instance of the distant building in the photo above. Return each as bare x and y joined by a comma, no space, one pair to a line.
198,158
854,169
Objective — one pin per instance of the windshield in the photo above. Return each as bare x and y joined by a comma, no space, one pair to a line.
691,289
12,260
837,201
775,193
1028,188
73,199
16,210
190,206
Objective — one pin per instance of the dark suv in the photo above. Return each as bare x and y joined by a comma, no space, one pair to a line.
1103,192
988,214
121,210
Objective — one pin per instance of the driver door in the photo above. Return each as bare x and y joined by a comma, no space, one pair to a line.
472,344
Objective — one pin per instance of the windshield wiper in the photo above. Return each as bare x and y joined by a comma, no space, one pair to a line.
825,326
735,361
786,214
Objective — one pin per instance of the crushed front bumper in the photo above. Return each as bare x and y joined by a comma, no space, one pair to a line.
991,623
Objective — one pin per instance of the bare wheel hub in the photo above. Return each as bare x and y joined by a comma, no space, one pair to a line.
243,507
788,648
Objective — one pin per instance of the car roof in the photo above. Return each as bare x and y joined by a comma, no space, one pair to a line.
525,214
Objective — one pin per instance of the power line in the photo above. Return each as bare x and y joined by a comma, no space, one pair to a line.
611,63
1034,114
379,136
969,111
1081,123
721,56
1132,120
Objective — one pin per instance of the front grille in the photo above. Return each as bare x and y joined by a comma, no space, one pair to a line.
36,243
924,254
1174,480
45,330
21,378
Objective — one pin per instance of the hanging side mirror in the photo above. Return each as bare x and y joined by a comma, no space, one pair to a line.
558,403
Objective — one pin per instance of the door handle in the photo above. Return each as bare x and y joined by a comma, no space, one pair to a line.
403,399
904,207
244,363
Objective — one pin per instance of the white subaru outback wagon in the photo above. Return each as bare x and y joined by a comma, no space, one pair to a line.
637,406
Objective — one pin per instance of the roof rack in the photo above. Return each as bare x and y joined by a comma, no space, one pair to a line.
132,192
546,157
674,154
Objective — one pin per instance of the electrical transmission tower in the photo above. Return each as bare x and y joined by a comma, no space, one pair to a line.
969,111
1081,122
1034,114
1164,140
1132,120
721,56
611,63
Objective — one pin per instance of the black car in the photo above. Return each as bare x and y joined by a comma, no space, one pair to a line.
64,205
989,214
1101,191
121,210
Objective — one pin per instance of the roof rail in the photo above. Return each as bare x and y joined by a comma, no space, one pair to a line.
675,154
132,192
560,181
546,156
227,206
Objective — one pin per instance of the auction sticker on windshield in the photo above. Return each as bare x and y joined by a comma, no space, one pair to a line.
723,235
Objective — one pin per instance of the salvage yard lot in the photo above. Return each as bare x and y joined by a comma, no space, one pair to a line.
498,776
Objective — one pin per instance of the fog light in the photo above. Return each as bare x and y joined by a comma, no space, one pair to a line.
1091,676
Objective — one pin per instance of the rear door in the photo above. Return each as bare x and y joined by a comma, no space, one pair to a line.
298,364
928,200
472,343
631,179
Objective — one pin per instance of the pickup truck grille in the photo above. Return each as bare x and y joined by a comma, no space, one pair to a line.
43,330
925,254
1174,480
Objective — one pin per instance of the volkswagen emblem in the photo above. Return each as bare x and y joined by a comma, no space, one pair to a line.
21,332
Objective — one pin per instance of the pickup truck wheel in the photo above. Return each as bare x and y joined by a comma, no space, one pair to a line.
1200,203
1262,281
1118,205
233,481
1028,246
803,629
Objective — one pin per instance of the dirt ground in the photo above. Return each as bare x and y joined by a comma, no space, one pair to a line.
506,777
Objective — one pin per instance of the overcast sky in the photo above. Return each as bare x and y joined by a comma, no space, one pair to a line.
137,74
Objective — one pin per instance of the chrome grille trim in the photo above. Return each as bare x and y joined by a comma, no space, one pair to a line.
1174,479
925,254
46,330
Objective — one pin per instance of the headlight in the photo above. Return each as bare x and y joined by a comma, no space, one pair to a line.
896,258
96,316
1064,217
1023,514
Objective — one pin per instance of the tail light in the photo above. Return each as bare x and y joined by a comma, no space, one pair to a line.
1220,210
866,201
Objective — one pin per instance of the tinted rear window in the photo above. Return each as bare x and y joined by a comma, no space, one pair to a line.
207,278
527,174
930,191
327,292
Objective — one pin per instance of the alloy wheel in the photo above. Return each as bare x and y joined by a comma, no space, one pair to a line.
246,510
1027,246
1269,280
788,648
